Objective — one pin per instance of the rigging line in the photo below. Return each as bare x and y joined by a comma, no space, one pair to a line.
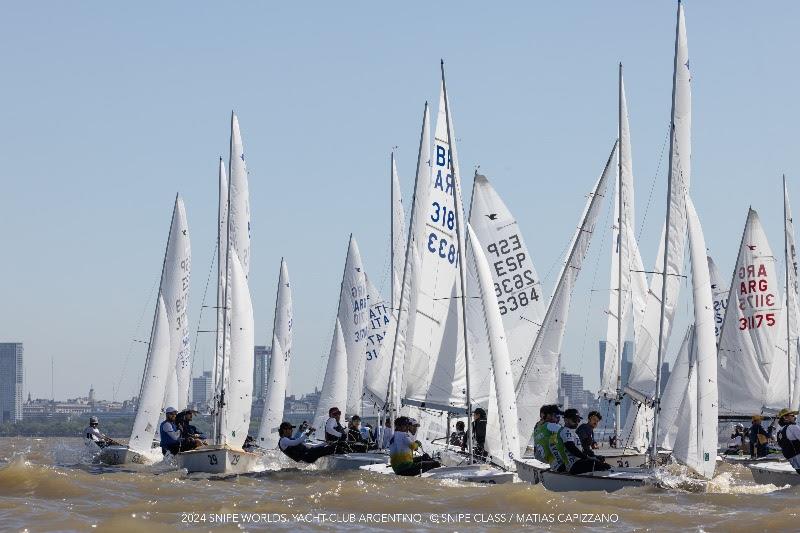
203,306
115,390
653,182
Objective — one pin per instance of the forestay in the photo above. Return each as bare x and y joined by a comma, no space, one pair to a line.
751,326
538,384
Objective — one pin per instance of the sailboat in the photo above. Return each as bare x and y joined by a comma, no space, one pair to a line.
628,288
644,385
538,382
278,373
235,333
167,342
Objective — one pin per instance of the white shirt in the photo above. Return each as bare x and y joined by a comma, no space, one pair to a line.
287,442
330,426
568,435
387,436
94,434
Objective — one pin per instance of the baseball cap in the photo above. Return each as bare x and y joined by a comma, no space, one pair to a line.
170,410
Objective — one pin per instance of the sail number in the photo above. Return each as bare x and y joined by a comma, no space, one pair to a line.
755,321
445,250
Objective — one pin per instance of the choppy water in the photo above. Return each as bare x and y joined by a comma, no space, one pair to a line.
49,485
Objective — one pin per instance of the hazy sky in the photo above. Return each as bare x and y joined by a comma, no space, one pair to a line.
108,109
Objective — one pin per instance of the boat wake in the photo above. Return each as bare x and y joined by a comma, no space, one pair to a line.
679,477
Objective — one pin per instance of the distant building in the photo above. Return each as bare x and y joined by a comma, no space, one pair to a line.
10,381
261,356
202,390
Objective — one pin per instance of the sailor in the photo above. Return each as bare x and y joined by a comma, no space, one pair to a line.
297,449
355,440
568,454
789,437
759,437
388,433
334,431
94,434
366,432
169,432
585,433
250,444
403,446
457,436
546,433
478,432
736,444
191,438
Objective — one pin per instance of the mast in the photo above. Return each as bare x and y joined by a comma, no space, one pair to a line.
221,399
219,309
409,239
391,230
786,261
660,359
155,313
461,244
620,342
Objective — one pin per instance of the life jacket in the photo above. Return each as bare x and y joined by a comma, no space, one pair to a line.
329,437
542,438
789,447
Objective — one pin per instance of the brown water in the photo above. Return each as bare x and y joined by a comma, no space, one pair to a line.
50,485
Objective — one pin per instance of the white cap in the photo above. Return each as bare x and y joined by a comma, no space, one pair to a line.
169,410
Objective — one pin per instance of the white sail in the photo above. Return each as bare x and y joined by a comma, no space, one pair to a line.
354,319
239,201
749,333
628,290
151,394
239,378
538,384
719,291
701,427
675,392
278,374
502,437
435,370
174,288
793,306
642,380
398,236
376,373
222,275
334,388
517,285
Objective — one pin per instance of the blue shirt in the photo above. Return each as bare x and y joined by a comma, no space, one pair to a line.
170,435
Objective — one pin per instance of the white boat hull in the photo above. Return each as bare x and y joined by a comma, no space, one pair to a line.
774,473
351,461
217,460
530,470
746,460
477,473
120,455
608,481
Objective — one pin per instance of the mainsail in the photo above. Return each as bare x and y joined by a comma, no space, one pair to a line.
517,285
719,292
222,274
538,383
398,236
749,333
376,373
793,306
279,361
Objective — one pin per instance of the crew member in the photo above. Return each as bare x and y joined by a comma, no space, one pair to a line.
94,434
789,437
334,432
546,433
736,444
388,433
759,438
297,449
585,433
191,438
403,446
567,452
478,432
169,432
355,440
457,436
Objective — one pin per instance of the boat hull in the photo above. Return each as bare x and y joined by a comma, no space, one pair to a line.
477,473
774,473
351,461
746,460
530,470
121,455
608,481
217,460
